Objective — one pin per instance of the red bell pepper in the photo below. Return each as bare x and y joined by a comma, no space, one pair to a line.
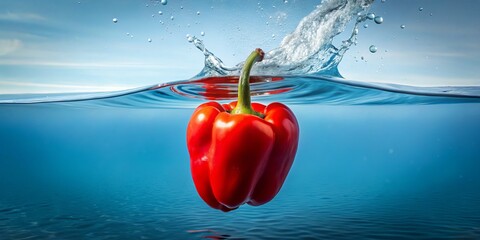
241,152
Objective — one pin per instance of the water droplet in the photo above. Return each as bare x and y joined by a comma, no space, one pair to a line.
163,2
371,16
373,49
402,26
198,12
365,25
202,33
378,20
160,13
115,20
420,9
171,18
149,40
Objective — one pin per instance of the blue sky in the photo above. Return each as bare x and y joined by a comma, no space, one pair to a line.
67,46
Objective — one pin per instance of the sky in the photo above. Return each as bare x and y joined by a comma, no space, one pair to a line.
75,46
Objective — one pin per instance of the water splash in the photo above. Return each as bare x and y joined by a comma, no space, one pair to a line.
308,49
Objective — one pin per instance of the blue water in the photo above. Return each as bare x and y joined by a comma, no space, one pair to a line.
374,161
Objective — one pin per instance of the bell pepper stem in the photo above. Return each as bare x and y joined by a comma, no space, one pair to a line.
244,105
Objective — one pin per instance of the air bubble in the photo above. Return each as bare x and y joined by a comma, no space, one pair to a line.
114,20
163,2
378,20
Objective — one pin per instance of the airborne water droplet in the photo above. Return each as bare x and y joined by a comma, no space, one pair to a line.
378,20
163,2
373,49
115,20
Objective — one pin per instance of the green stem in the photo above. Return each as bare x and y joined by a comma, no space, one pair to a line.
244,105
